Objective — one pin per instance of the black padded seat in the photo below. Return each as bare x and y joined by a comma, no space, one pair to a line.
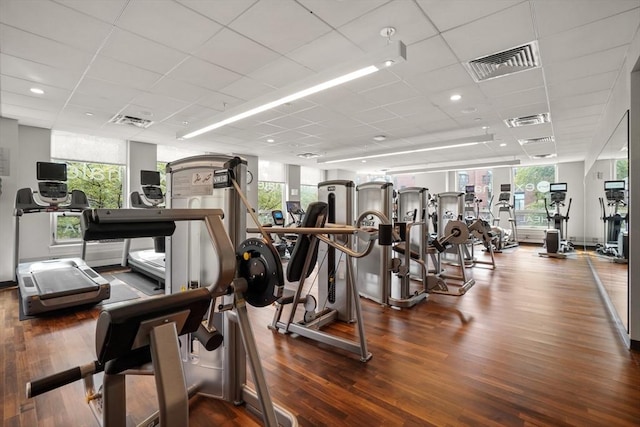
315,217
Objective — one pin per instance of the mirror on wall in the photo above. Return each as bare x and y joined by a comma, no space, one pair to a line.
607,192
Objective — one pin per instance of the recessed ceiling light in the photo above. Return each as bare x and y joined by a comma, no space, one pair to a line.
364,161
185,122
504,144
37,90
88,113
485,127
455,97
270,140
389,62
379,138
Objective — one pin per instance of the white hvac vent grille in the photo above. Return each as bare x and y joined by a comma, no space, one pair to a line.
543,156
528,120
542,140
121,119
500,64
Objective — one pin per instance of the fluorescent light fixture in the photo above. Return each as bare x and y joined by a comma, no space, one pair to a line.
462,142
37,90
468,166
455,97
391,54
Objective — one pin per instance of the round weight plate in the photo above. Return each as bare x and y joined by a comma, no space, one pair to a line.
458,227
259,263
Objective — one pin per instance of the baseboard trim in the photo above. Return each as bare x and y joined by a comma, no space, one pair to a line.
8,284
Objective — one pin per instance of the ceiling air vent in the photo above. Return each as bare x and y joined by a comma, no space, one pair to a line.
528,120
543,156
544,139
121,119
500,64
308,155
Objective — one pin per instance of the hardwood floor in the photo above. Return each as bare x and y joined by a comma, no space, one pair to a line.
530,344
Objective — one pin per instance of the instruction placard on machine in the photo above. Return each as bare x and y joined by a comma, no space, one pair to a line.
197,182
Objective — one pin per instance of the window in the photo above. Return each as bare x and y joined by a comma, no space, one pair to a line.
162,168
94,165
309,179
531,185
271,180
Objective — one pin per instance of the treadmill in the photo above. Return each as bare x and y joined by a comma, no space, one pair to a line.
149,262
59,283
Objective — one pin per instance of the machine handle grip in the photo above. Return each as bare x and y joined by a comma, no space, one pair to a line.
439,246
51,382
385,232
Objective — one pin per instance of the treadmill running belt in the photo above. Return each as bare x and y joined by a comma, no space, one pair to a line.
62,281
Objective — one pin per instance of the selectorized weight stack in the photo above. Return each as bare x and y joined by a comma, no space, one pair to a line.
333,291
412,210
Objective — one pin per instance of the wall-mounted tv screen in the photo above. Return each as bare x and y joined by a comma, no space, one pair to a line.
47,171
558,187
614,185
149,178
505,188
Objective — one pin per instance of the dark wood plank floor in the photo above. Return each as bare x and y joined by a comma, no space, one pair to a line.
530,344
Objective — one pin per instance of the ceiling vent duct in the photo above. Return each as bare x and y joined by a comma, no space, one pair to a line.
536,119
544,139
500,64
121,119
308,155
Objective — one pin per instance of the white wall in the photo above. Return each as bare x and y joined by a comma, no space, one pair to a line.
436,182
340,174
573,174
9,143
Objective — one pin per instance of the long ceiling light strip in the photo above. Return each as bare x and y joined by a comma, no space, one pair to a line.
391,54
469,166
290,98
397,153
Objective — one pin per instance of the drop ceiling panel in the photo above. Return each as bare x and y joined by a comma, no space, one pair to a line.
338,12
22,87
486,35
219,101
141,52
525,97
180,90
584,100
220,11
167,23
390,94
557,16
584,66
373,115
332,45
103,95
201,73
29,116
79,30
619,29
411,106
246,88
426,55
38,73
103,68
28,46
281,26
280,73
594,83
569,113
471,95
449,14
442,79
235,52
20,99
158,103
410,23
107,11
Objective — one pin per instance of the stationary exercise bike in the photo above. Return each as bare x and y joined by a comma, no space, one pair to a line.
555,238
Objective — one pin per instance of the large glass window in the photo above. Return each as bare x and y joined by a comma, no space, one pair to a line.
531,185
309,179
94,165
271,189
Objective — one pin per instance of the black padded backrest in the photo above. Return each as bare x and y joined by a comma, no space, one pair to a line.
25,201
316,217
92,230
117,328
79,200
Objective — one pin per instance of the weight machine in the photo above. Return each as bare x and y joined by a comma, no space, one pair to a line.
555,238
195,339
614,223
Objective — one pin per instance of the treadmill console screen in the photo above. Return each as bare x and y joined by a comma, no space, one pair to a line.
614,185
558,187
469,189
149,178
278,217
505,188
52,192
152,192
294,207
47,171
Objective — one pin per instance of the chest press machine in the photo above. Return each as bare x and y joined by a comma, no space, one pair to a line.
168,336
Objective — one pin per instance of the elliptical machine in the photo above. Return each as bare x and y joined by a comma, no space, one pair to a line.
555,238
614,223
508,238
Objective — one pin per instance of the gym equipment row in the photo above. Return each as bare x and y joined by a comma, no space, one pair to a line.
50,285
